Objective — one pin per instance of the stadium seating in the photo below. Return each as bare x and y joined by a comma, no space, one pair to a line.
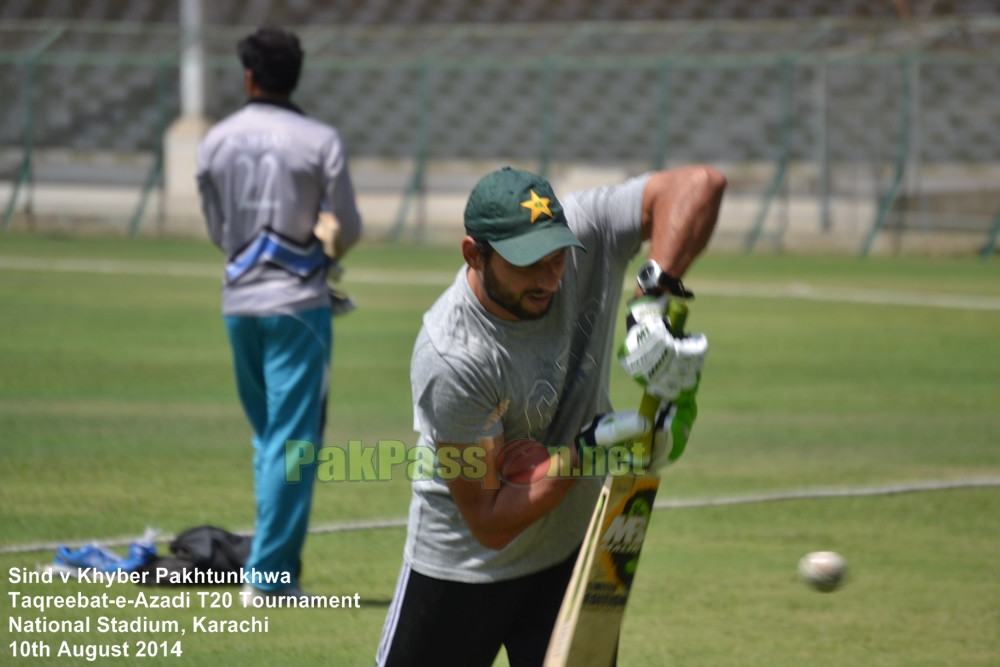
727,81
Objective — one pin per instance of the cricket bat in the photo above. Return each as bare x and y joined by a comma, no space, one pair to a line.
590,618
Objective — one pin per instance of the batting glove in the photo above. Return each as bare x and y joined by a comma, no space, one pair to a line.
665,366
612,429
674,422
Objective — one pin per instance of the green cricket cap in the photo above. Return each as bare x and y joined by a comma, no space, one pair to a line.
519,215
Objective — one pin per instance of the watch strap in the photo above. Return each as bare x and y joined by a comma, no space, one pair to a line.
654,281
674,286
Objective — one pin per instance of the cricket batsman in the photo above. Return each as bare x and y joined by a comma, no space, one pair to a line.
518,348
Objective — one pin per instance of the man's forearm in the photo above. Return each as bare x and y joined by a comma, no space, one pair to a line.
680,210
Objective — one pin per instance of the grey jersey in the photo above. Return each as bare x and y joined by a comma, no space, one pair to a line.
474,375
263,174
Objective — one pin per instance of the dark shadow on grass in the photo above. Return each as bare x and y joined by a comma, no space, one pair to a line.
380,602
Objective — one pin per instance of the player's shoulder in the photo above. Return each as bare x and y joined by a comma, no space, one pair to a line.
315,124
257,118
630,188
315,133
615,204
215,139
293,117
455,328
230,124
456,362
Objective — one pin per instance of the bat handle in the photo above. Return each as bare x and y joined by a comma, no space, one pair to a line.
677,313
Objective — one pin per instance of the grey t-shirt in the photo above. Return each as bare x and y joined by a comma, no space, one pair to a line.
543,378
263,174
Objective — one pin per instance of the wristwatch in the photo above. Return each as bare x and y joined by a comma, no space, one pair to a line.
654,281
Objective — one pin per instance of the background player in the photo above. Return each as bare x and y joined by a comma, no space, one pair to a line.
263,173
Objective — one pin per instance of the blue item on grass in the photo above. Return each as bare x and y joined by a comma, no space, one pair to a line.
97,557
89,555
139,553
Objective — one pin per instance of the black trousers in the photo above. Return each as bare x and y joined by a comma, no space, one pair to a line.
445,623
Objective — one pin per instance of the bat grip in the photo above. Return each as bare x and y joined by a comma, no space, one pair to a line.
677,313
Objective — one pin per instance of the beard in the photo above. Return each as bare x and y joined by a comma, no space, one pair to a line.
509,301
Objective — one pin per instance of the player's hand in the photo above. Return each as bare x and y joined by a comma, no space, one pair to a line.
613,428
664,365
327,230
674,422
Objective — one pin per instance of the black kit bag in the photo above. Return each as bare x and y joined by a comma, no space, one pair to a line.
211,548
201,549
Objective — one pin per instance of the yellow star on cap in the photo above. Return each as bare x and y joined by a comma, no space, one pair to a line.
537,205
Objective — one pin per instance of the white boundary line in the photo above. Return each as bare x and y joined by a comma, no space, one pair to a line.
802,494
810,494
110,267
430,277
850,295
196,270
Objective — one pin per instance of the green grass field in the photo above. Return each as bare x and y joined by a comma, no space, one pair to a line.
118,411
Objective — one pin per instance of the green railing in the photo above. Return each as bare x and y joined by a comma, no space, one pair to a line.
41,53
29,63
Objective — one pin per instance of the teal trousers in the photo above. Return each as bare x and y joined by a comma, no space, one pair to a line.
282,366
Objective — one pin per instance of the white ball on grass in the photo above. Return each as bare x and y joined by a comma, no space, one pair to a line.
823,570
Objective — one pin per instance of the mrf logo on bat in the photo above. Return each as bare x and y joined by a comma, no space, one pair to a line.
624,533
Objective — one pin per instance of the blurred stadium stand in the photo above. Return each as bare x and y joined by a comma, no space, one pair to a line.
313,12
843,115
